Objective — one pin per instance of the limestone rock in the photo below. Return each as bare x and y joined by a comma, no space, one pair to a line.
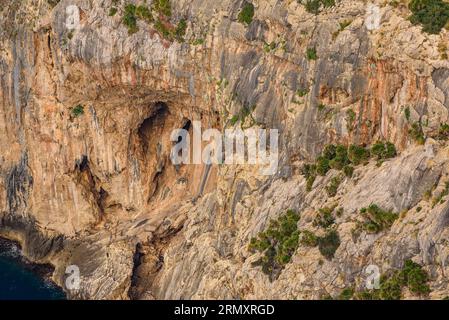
86,116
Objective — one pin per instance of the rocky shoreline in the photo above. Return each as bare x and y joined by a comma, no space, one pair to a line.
12,250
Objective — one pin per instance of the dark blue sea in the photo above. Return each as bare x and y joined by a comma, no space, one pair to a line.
24,281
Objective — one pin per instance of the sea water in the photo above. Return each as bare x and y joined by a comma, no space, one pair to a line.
19,279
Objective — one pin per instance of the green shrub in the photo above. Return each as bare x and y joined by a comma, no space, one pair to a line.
378,149
394,3
377,219
234,120
344,24
383,150
77,111
346,294
390,150
244,112
129,18
350,115
112,11
339,212
278,243
390,288
348,171
134,13
162,7
333,185
417,133
246,14
326,296
268,47
315,6
329,152
144,13
443,132
411,276
415,278
309,183
407,113
324,218
328,3
358,154
367,295
350,119
321,107
301,92
433,15
308,239
165,32
340,159
308,170
329,244
197,42
311,54
180,30
322,165
53,3
439,199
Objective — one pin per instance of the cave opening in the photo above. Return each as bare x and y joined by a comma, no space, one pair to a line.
153,124
82,164
186,127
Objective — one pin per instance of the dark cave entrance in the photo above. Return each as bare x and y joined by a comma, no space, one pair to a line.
153,125
187,126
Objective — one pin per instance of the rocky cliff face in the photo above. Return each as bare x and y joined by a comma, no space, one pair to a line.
86,116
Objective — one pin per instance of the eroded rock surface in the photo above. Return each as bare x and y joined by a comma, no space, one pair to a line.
98,190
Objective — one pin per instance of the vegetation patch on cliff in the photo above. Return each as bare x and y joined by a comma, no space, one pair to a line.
375,220
130,19
315,6
330,241
417,133
439,199
278,243
244,113
443,132
411,276
280,240
325,217
343,158
77,111
383,150
246,14
162,7
53,3
159,15
311,54
433,15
